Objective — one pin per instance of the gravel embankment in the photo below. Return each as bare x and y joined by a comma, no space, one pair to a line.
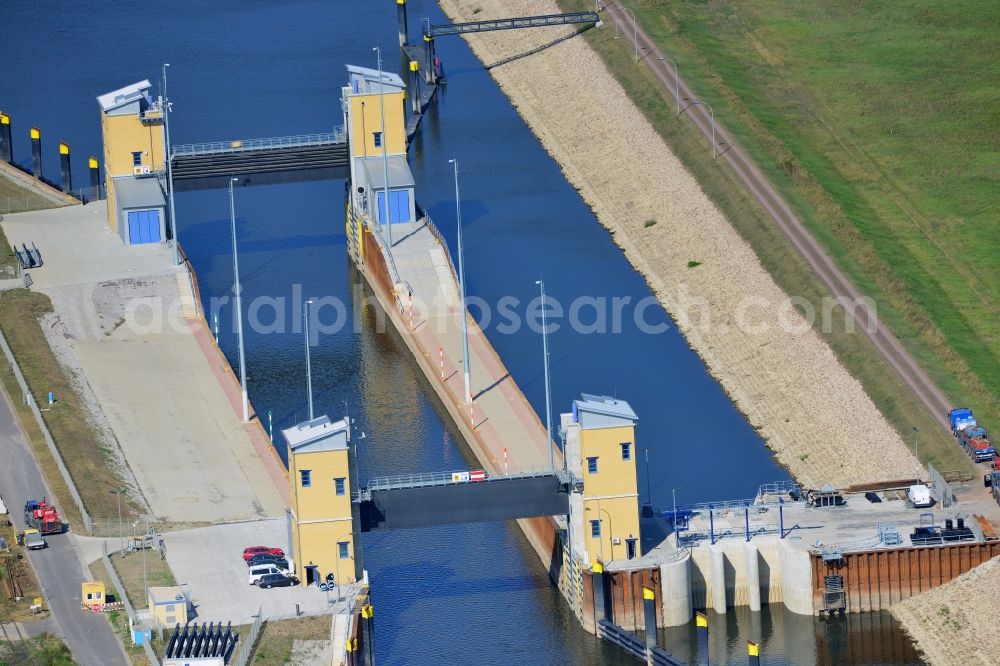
815,416
953,624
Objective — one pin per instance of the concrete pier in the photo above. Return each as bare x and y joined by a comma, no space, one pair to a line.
752,576
676,577
717,572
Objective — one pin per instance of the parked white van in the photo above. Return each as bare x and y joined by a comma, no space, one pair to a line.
920,496
257,572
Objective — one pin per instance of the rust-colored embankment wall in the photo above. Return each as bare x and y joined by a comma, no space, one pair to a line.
540,532
875,580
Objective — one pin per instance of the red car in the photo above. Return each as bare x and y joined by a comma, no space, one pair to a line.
261,550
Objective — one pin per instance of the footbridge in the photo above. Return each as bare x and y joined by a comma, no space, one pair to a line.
447,498
260,161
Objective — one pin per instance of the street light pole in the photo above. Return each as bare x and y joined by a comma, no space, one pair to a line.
309,381
695,102
385,151
461,286
121,530
170,171
548,390
649,486
677,84
238,288
677,536
635,33
916,449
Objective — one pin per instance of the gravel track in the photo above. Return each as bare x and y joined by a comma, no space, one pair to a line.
816,418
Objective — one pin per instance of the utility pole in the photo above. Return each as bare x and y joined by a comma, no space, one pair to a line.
461,286
238,288
385,151
121,530
548,390
677,534
916,449
170,172
309,381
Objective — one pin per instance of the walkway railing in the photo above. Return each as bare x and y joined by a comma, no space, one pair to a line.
447,479
251,145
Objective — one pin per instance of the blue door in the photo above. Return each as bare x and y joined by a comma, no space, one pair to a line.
399,206
143,227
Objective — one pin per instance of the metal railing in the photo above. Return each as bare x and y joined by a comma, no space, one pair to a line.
441,241
447,479
338,135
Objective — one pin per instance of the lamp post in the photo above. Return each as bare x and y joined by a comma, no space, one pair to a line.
635,32
461,286
170,171
548,390
238,288
677,535
916,449
677,84
309,381
649,486
385,151
121,531
695,102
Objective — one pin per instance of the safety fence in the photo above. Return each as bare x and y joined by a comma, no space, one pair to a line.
53,449
133,621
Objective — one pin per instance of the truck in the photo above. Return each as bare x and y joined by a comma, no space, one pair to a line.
970,435
992,480
42,516
976,443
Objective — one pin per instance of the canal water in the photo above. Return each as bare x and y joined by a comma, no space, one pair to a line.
469,593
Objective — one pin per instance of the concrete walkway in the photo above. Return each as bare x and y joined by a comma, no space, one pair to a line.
162,394
500,416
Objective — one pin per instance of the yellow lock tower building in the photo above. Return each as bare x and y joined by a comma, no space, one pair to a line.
134,149
599,436
324,542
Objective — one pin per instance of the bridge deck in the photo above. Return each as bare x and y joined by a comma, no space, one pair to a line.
501,416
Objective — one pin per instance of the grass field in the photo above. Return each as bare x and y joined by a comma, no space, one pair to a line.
274,645
67,420
43,650
805,123
17,199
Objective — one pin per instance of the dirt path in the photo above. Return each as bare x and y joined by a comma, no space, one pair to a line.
812,413
791,226
953,623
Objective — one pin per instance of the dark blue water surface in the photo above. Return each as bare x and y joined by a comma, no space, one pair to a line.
463,594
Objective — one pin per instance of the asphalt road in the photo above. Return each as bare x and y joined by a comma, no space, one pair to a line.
791,226
88,635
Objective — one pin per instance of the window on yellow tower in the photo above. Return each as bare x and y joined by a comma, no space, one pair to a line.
342,550
592,465
595,528
306,476
338,485
626,450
